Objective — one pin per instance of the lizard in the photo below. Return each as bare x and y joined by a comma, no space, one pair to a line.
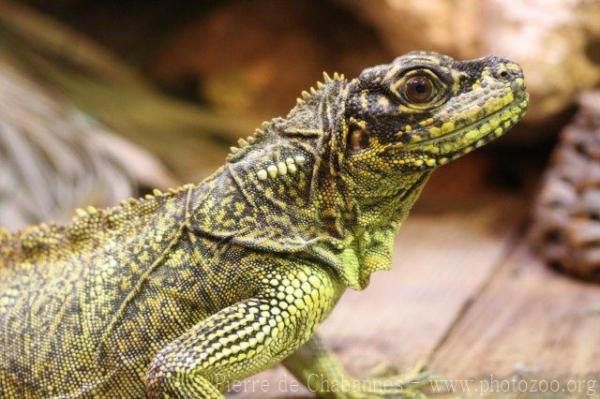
178,294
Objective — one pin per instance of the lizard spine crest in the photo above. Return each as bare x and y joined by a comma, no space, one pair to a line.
259,135
84,225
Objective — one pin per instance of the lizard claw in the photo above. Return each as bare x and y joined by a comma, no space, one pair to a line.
385,382
383,369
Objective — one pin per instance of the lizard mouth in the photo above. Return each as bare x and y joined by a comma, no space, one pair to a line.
478,134
439,149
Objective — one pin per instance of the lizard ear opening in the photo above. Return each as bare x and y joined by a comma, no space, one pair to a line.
358,139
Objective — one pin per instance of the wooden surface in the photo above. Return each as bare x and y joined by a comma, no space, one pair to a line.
529,322
467,297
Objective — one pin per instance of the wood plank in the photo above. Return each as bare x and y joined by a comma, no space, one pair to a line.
441,261
529,321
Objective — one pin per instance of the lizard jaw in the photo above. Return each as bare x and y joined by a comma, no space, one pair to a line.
466,139
438,149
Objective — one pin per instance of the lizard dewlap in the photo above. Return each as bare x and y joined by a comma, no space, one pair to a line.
181,293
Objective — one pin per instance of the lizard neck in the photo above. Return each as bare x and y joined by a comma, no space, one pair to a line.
371,227
390,209
286,174
286,190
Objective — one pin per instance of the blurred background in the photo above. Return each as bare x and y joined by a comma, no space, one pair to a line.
495,272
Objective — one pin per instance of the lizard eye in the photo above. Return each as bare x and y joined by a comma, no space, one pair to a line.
419,89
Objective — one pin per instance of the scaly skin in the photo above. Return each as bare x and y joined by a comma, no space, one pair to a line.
179,294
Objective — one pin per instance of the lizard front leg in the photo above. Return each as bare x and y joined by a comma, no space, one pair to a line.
321,372
247,337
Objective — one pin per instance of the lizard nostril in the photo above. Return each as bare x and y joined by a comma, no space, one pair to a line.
504,74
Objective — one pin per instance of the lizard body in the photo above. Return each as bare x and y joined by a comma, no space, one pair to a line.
181,293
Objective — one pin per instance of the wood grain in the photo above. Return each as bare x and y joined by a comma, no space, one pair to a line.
529,321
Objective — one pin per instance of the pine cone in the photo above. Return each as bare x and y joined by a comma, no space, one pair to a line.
566,225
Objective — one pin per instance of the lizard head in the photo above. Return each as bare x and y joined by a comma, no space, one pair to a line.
424,110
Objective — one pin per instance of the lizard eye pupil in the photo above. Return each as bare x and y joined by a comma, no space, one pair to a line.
419,89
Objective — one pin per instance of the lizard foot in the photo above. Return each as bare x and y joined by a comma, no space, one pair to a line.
384,382
383,369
